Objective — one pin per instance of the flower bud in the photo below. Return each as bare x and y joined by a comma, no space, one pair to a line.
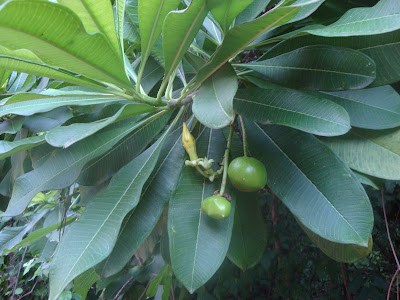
189,143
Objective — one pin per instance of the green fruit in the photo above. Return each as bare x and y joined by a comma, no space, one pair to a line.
247,174
216,207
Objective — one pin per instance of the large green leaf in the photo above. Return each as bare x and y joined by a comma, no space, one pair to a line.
42,232
383,17
26,104
382,48
252,11
139,223
91,239
318,67
151,18
277,105
227,11
23,60
213,104
10,237
307,8
375,108
316,186
104,166
198,244
240,36
373,152
179,30
60,41
346,253
66,136
62,168
84,282
96,16
249,234
9,148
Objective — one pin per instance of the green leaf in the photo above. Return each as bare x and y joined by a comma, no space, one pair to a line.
120,6
9,148
375,108
198,243
23,60
374,182
179,30
151,18
227,11
318,67
107,164
48,120
373,152
62,168
383,17
11,236
61,42
66,136
12,125
96,16
277,105
91,239
382,48
157,191
240,36
164,276
249,234
84,282
347,253
308,7
324,196
252,11
152,74
42,232
213,104
26,104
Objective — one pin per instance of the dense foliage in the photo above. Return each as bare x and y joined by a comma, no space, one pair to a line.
102,185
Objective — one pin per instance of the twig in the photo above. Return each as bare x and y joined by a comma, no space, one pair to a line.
345,283
391,283
391,245
122,288
138,259
145,290
31,291
388,232
19,270
172,291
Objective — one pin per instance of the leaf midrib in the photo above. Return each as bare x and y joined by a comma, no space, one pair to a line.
178,53
362,103
200,216
70,54
306,69
292,111
294,164
111,212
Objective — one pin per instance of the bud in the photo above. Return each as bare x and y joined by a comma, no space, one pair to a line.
189,143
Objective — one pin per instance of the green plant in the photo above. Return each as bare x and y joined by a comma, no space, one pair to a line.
99,144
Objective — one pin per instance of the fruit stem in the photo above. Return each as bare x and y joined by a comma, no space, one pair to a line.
244,134
226,158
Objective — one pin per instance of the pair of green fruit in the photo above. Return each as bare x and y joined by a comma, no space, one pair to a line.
246,174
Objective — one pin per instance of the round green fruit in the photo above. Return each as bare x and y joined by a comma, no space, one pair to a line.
216,207
247,174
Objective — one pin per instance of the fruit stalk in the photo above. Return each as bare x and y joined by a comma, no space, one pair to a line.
244,135
226,158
